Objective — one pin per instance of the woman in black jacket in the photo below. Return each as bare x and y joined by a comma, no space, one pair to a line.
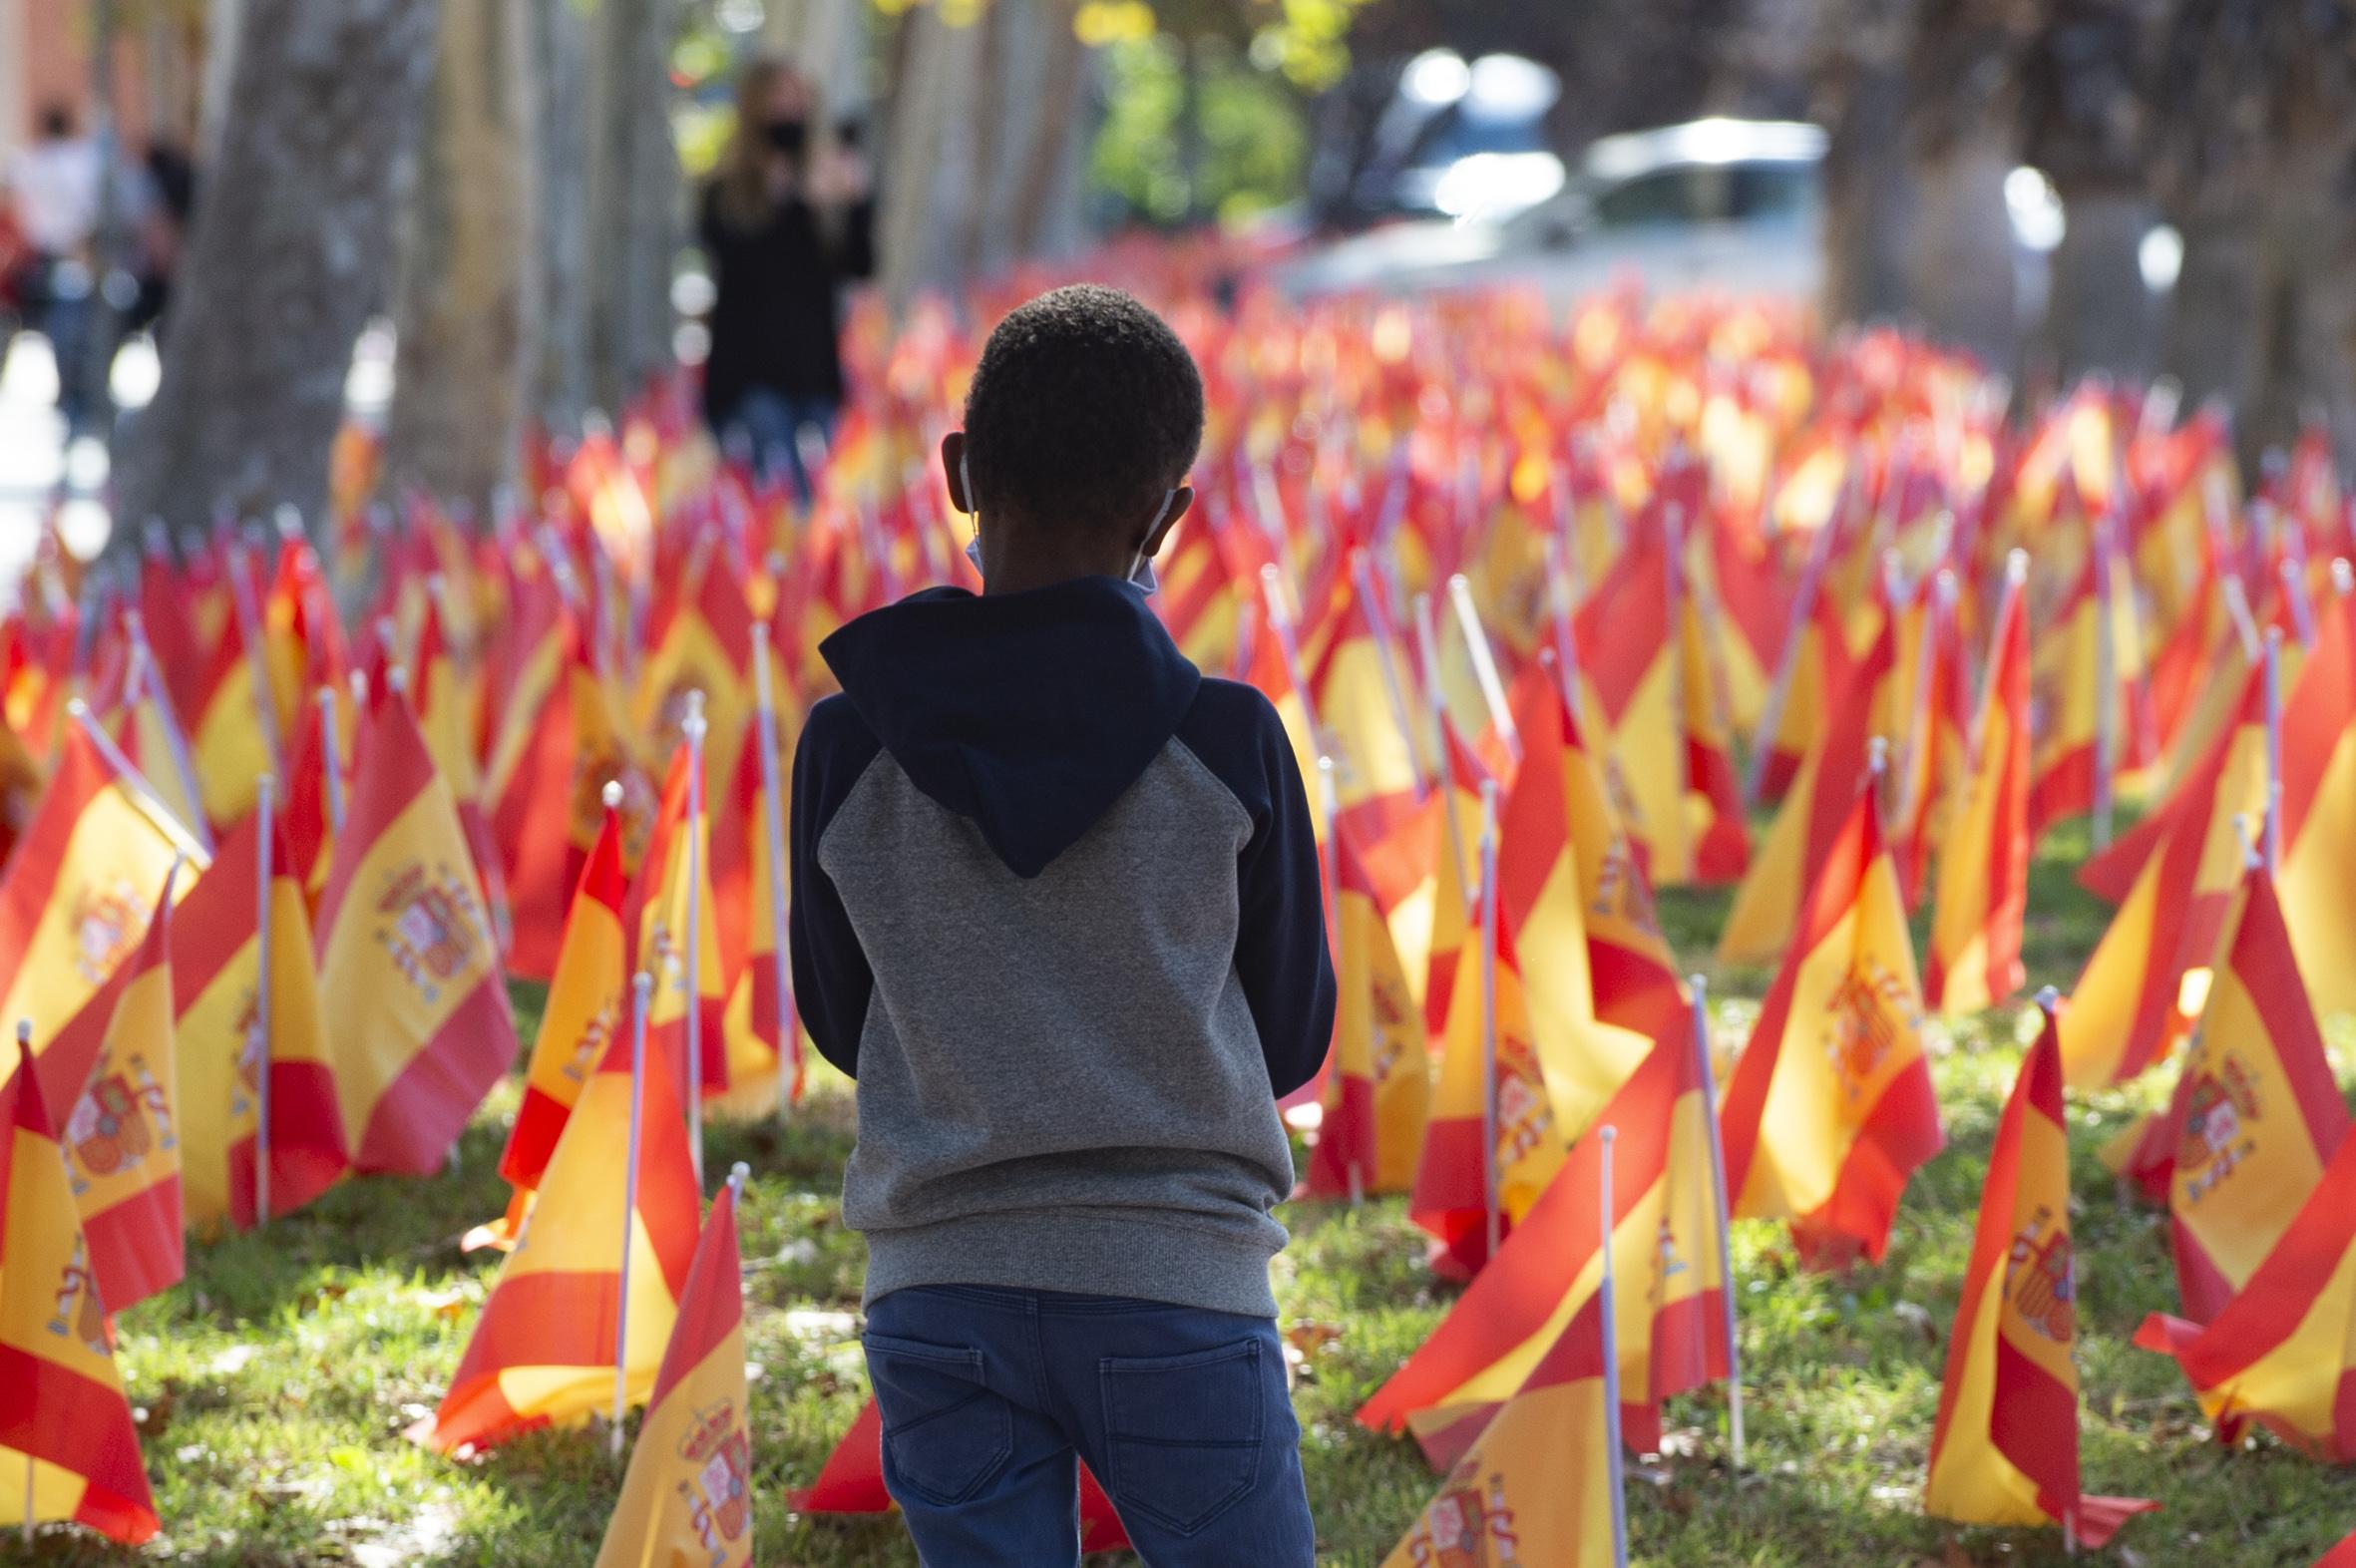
783,222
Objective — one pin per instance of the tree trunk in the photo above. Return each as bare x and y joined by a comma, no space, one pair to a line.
465,308
1959,257
224,21
287,260
560,369
930,169
634,199
1868,196
2098,315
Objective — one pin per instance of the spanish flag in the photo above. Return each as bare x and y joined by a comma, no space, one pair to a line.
1535,1486
560,741
658,913
687,1498
1831,1107
2255,1112
588,1010
704,644
2066,676
2144,984
234,730
81,886
852,1481
221,1024
144,726
302,808
170,616
414,1004
1575,899
1377,1096
114,1064
1669,1305
302,639
746,905
62,1410
2319,806
1981,898
2282,1352
543,1351
448,692
1360,690
1769,904
2004,1450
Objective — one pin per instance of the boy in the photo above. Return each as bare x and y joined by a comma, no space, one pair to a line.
1057,907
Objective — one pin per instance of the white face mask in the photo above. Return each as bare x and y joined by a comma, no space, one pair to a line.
1142,575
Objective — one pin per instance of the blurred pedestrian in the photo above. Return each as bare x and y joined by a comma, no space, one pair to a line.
165,185
54,190
784,221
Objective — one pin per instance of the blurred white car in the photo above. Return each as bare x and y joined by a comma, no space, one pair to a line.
1714,203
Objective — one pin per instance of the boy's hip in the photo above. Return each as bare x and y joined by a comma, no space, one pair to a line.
1214,1264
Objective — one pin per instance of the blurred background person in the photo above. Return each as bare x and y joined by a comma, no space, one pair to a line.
166,186
784,221
53,193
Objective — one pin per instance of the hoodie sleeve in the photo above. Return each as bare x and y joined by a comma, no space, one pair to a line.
1280,949
832,980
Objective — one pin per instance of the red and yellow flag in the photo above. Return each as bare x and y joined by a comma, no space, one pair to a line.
673,891
560,741
1576,903
221,1024
2065,678
79,889
1769,904
1534,1486
1974,959
114,1064
2319,807
1375,1101
2255,1112
2282,1352
2144,982
1362,697
2004,1450
301,807
687,1498
1668,1308
233,730
62,1410
302,640
413,1000
705,644
543,1353
1831,1107
750,941
587,1006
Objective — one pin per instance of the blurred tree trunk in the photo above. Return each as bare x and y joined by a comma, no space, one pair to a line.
1963,139
635,200
2085,87
287,260
223,20
465,304
560,369
929,168
1868,195
2259,172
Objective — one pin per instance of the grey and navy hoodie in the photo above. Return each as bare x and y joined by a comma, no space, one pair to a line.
1057,907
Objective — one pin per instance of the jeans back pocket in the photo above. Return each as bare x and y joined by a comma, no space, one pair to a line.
945,1432
1184,1431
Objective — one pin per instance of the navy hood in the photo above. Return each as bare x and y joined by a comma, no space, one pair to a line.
1029,713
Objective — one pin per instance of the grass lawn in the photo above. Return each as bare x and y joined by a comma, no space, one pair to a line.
275,1382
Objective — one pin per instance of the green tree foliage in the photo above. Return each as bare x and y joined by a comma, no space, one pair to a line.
1254,141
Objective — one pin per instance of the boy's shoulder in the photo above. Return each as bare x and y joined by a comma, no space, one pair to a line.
835,741
1234,730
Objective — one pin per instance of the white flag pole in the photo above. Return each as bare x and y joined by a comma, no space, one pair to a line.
331,763
1606,1303
2273,750
691,938
1718,1198
641,987
1484,662
264,802
773,840
24,1064
175,738
1491,1176
135,787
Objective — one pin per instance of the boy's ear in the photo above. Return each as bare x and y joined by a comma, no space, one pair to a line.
1179,504
953,452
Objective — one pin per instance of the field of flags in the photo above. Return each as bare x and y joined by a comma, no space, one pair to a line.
1559,612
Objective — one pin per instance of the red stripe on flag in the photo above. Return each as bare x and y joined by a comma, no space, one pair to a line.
62,1417
422,1112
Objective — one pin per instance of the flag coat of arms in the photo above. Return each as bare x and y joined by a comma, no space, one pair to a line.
60,1393
2005,1450
412,996
687,1498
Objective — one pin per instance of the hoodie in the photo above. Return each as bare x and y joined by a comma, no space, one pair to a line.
1057,907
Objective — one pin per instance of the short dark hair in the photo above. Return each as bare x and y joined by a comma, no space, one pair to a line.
57,121
1085,409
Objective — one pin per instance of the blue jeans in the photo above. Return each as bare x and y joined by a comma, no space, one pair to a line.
770,426
1181,1413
